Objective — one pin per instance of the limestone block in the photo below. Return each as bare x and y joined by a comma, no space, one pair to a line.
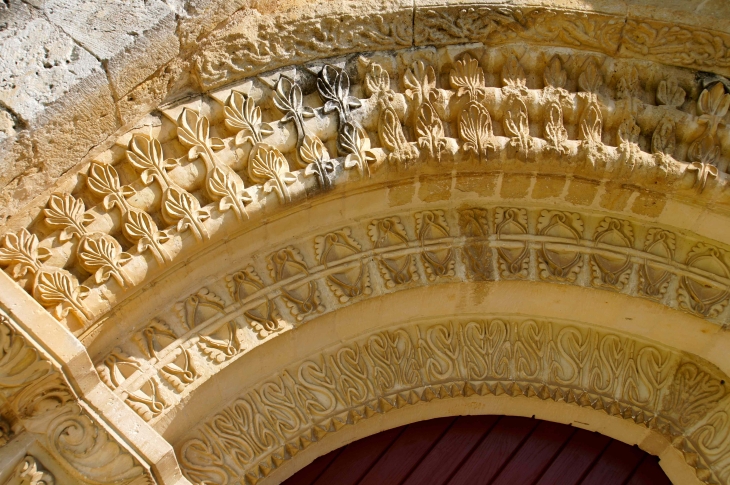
138,61
59,138
38,65
106,27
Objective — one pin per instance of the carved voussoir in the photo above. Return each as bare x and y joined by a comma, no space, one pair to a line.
285,136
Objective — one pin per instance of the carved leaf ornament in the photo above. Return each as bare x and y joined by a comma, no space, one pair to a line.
421,124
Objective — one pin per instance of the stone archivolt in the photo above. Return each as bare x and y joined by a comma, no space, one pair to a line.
684,399
588,104
281,137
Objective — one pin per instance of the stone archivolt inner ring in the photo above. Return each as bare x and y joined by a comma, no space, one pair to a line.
680,398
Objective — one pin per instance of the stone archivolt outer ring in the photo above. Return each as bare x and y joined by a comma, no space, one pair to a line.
97,242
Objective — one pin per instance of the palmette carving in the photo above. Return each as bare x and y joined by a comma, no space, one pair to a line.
474,225
21,252
426,123
331,249
264,317
245,117
60,290
302,299
554,261
513,258
698,296
564,362
431,227
653,279
390,233
102,255
612,271
268,166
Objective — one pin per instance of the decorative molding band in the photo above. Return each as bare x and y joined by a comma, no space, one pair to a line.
212,165
188,342
42,402
614,35
681,397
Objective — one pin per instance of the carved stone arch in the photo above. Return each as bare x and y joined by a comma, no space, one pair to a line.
248,193
465,348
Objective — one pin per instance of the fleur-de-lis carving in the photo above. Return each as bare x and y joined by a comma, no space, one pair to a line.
59,289
102,255
288,98
712,106
591,78
356,144
705,168
391,134
420,82
244,116
21,250
513,76
227,187
139,227
555,132
468,77
183,208
103,180
193,131
475,128
334,89
663,140
554,74
591,125
670,94
145,153
69,214
269,167
317,161
430,131
517,126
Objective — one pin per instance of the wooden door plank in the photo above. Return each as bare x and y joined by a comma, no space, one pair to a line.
357,458
453,447
308,474
407,452
494,451
615,465
569,467
535,454
649,473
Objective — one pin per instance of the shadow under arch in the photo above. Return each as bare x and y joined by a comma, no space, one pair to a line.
629,371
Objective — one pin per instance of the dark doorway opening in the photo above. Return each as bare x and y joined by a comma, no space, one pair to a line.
484,450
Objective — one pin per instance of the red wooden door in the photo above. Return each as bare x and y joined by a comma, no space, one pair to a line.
481,450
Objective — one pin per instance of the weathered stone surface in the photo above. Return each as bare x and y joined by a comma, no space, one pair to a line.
38,65
139,60
61,136
104,27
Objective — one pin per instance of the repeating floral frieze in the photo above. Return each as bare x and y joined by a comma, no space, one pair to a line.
218,162
283,288
677,396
